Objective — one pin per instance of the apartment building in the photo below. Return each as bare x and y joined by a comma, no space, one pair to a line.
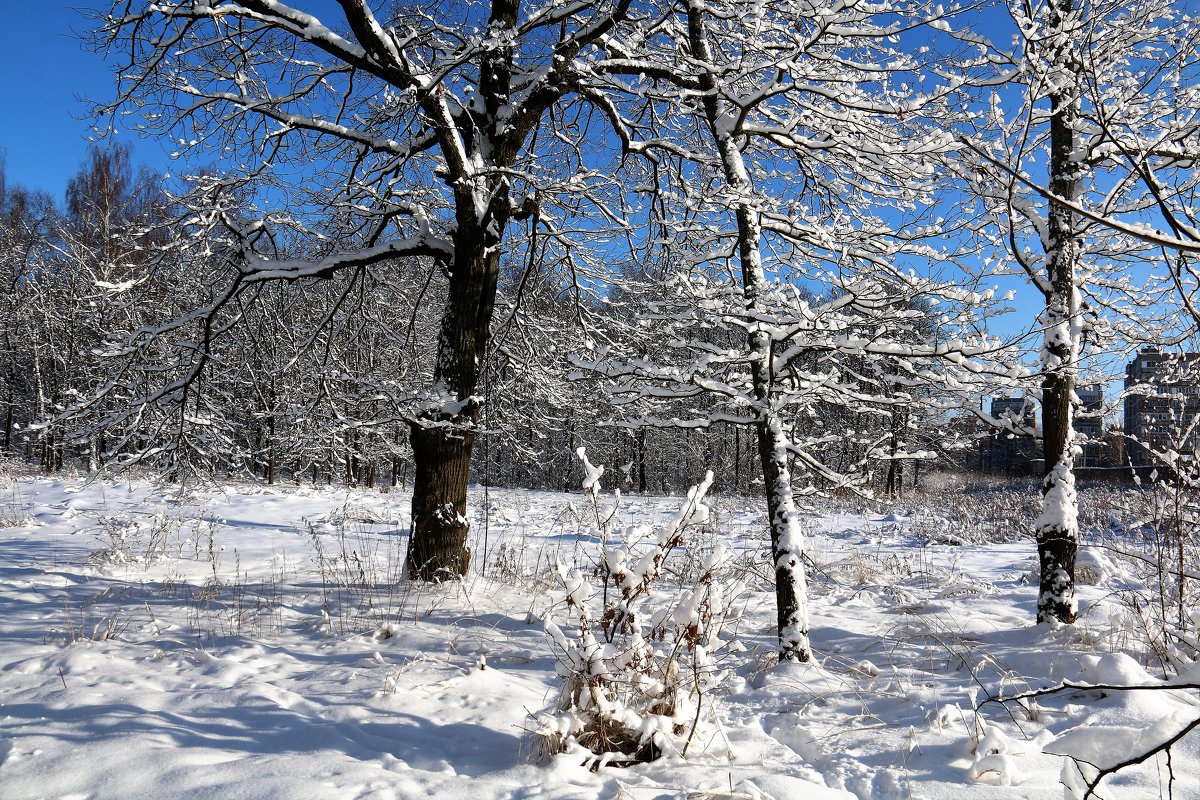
1162,407
1005,453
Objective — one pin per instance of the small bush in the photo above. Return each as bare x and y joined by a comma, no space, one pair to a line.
639,657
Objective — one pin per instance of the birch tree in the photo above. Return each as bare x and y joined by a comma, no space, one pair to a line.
789,132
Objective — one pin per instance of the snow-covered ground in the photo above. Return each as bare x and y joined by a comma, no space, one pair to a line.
261,643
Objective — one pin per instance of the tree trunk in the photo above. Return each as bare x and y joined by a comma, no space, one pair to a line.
786,538
791,595
895,473
8,427
271,435
641,460
438,548
443,438
737,458
567,476
1057,527
478,149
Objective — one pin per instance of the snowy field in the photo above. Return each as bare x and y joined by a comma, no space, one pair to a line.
260,643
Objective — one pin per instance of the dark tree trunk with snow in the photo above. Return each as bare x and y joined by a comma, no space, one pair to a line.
443,439
790,590
480,145
421,127
1057,527
438,548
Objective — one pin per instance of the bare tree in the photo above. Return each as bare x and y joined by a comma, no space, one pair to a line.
402,138
26,225
792,135
1103,111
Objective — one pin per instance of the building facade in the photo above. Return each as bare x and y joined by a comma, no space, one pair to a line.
1162,407
1004,452
1089,427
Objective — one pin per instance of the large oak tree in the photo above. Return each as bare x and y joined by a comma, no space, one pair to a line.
377,137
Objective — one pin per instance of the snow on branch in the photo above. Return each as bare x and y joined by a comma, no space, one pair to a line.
1093,753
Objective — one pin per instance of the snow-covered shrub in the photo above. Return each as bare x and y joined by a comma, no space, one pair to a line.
1174,566
129,540
1145,549
638,657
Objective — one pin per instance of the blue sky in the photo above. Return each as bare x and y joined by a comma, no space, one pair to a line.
45,121
44,124
48,77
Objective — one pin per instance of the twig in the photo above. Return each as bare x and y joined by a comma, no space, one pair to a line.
1093,782
1101,774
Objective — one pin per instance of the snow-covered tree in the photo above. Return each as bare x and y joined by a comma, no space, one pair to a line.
393,137
26,219
1104,115
792,140
860,351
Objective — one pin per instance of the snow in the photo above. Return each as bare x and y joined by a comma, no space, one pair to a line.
253,642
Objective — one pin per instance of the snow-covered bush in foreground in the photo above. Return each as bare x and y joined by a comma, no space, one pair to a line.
638,659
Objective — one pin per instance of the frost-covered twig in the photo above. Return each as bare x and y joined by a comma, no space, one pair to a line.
1090,748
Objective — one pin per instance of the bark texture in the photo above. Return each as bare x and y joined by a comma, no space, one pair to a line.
438,547
1057,527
